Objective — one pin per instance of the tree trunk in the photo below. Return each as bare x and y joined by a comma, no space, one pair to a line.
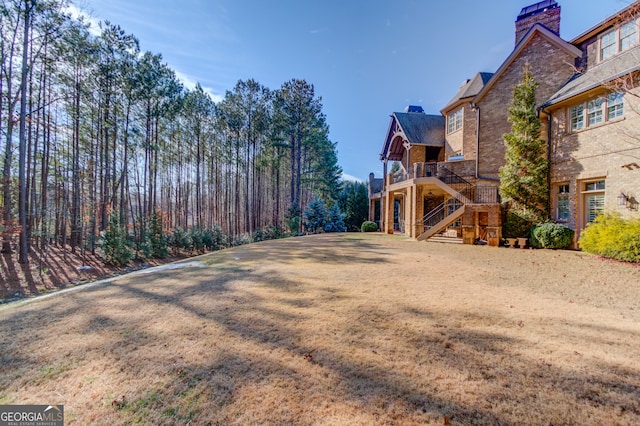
22,178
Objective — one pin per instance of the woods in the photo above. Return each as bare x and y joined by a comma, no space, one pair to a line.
94,132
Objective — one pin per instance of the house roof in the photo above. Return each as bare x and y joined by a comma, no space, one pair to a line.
535,29
469,89
415,128
601,74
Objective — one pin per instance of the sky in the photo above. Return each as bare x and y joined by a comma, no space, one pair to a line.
365,58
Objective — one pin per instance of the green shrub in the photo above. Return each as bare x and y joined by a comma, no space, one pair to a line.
368,226
613,237
181,239
551,236
113,244
516,225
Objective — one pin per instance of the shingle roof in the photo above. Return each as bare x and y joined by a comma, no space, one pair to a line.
418,129
422,129
620,65
470,88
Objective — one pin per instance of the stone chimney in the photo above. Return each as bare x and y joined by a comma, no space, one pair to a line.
546,12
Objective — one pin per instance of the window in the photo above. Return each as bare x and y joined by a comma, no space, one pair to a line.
608,45
593,200
615,106
628,35
562,211
596,111
454,121
577,117
618,40
594,186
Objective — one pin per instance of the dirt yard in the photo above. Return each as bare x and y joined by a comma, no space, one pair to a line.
338,329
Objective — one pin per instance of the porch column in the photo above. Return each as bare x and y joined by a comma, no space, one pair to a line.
419,212
388,214
494,230
468,225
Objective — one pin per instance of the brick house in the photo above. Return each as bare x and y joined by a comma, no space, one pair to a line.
590,115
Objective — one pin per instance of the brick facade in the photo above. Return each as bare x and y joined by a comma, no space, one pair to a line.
596,165
549,18
550,66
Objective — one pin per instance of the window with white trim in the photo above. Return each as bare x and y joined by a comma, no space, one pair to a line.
577,117
562,203
454,121
596,111
593,193
618,39
615,105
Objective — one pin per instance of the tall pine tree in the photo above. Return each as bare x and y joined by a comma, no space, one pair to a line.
523,178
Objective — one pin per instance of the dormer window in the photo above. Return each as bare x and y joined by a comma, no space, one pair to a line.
618,39
454,121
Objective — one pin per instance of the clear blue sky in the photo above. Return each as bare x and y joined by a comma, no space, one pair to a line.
366,58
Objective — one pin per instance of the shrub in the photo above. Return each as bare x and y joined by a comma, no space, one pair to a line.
612,237
368,226
551,236
156,242
181,239
516,225
113,245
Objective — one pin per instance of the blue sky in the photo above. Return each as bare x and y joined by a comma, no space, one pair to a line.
366,59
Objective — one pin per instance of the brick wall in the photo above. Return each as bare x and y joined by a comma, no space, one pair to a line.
549,18
551,67
610,151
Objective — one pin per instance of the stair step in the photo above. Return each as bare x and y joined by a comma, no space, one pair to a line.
450,240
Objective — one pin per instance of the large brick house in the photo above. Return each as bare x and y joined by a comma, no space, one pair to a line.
444,170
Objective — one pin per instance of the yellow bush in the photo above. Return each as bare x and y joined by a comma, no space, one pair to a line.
613,237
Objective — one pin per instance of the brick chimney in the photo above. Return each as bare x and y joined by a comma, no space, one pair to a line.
546,12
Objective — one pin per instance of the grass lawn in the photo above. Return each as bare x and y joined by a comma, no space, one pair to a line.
354,329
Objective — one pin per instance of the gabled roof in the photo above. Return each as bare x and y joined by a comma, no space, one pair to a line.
415,128
536,29
469,89
623,64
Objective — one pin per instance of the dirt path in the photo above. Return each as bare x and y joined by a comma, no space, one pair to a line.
338,329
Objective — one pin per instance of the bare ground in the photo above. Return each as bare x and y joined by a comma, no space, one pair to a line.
338,329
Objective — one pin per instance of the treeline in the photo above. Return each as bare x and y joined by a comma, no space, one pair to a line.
94,132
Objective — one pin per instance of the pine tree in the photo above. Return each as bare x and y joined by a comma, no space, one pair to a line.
523,178
115,250
314,215
157,240
335,220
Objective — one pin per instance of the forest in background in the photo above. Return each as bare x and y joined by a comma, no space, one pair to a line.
97,134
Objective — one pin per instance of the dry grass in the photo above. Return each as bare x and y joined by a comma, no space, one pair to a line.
338,329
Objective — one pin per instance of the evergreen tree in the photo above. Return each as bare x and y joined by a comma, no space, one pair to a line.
157,240
115,250
293,218
354,201
314,215
523,178
335,220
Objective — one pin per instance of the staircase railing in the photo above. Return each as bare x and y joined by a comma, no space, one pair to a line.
439,213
